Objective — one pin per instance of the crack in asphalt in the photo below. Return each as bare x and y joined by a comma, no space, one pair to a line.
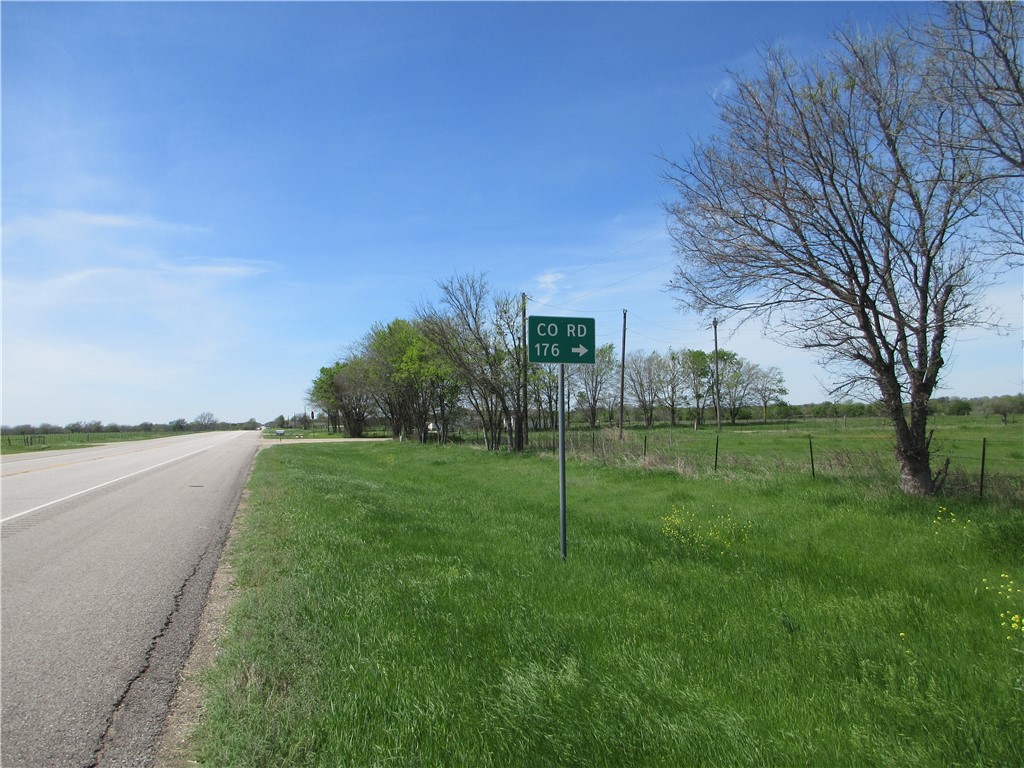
147,695
133,730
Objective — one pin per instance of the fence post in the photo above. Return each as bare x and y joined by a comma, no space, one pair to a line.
717,435
810,445
981,483
645,446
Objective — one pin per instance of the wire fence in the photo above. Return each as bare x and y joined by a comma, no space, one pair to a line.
71,439
965,464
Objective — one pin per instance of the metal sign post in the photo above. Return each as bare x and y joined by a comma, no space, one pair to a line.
561,454
561,340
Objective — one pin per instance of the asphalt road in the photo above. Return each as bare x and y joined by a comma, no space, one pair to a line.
106,556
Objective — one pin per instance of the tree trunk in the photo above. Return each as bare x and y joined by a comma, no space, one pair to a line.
915,470
912,450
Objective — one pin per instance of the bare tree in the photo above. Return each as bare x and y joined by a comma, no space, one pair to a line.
977,52
839,203
594,381
737,383
768,387
673,384
698,376
205,421
543,388
644,379
469,330
509,339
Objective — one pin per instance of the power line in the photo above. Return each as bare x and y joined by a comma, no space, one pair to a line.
608,258
620,282
691,329
573,309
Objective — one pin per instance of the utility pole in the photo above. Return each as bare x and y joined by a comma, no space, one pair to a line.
718,390
622,382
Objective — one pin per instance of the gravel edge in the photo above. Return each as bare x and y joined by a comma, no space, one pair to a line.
187,707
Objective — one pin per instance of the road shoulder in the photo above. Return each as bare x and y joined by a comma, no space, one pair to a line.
187,707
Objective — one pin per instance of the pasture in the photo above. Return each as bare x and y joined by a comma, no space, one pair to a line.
10,444
400,604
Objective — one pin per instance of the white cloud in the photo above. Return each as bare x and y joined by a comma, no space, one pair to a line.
103,309
63,232
547,285
63,380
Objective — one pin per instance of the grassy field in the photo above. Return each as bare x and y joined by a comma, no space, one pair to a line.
10,444
406,605
861,449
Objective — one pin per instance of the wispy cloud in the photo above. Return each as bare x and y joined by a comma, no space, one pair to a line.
547,285
227,269
98,303
62,230
63,218
50,241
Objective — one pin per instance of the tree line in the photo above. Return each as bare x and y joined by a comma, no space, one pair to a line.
466,355
204,422
464,358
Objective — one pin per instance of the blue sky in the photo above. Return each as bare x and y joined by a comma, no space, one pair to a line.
203,203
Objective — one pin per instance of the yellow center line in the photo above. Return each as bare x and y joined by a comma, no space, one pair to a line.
73,463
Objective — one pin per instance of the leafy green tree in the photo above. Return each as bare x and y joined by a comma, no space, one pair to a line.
393,380
322,395
351,385
959,407
413,384
1006,405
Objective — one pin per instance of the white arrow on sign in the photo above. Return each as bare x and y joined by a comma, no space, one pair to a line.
580,350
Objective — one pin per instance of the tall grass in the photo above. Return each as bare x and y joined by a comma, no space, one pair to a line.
407,605
860,449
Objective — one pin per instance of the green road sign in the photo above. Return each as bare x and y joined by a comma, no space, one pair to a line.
561,339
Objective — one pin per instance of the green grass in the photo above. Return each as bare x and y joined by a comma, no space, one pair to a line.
407,605
10,444
857,448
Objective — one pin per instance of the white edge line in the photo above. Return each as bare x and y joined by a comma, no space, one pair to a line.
101,485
